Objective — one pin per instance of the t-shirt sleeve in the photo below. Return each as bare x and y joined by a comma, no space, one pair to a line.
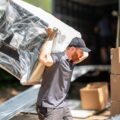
55,58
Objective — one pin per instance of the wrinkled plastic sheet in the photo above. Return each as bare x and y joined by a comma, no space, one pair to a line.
22,33
3,4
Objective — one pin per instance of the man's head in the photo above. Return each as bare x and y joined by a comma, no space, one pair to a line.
76,49
79,43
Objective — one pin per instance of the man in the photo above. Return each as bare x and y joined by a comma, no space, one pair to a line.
56,80
104,30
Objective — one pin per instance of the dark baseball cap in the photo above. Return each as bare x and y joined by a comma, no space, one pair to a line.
78,42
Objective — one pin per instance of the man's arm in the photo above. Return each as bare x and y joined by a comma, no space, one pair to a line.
45,54
45,57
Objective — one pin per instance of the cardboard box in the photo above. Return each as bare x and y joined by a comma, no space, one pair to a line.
115,87
115,108
94,96
115,60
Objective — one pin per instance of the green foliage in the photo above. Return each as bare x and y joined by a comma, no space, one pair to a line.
7,79
44,4
33,2
5,75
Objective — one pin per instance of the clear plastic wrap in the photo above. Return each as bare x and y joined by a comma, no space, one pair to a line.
21,36
22,33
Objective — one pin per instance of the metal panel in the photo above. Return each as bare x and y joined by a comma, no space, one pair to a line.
18,103
81,70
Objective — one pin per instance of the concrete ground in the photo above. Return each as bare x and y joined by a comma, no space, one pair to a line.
102,116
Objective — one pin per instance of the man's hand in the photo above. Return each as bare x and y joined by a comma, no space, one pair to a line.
51,33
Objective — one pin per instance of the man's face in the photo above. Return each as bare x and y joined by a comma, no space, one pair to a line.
76,54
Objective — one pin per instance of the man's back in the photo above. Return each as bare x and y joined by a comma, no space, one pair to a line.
56,82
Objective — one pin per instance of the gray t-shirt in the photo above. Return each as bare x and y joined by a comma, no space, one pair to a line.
56,82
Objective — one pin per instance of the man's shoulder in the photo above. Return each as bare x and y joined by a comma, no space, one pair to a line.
59,54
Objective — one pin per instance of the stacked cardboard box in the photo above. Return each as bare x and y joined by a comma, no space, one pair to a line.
94,96
115,81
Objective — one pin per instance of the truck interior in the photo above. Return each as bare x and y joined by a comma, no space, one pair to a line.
84,15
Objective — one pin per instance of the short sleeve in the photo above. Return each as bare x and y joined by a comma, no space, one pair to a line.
55,58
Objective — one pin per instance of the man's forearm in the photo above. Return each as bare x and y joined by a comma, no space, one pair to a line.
45,54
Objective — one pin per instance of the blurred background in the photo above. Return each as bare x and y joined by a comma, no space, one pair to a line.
88,17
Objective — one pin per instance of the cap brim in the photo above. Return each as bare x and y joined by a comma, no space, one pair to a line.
86,49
